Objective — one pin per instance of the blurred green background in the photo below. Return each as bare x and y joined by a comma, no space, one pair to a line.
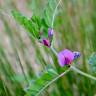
21,59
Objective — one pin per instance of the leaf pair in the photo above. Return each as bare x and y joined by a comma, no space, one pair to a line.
39,84
31,25
37,24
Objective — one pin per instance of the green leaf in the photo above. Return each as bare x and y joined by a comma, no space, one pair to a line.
49,11
38,84
92,62
38,24
19,78
36,20
30,26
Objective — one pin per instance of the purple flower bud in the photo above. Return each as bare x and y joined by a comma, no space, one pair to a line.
65,57
45,42
50,32
76,54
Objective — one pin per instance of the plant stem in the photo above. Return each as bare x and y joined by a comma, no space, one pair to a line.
54,14
83,73
65,72
54,51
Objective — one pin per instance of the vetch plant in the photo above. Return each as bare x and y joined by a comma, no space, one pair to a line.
39,29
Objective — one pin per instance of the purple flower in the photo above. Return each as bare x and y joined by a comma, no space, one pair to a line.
76,54
45,42
50,32
65,57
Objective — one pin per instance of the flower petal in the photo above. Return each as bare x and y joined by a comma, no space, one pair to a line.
45,42
68,54
50,32
61,59
65,57
76,54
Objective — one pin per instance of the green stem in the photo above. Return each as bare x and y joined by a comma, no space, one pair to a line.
54,14
83,73
65,72
54,51
76,69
